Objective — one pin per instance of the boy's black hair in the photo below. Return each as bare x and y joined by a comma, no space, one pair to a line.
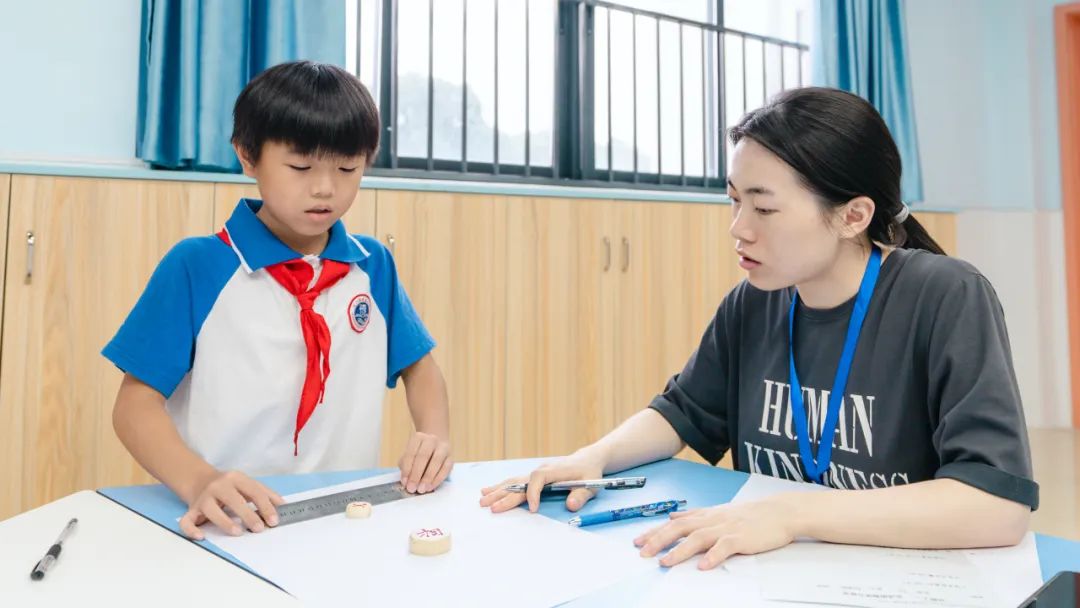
316,108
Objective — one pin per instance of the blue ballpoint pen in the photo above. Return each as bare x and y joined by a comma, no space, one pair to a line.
655,508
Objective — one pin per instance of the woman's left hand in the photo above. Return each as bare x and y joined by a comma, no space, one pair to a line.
721,532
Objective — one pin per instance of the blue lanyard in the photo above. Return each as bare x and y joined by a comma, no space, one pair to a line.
814,469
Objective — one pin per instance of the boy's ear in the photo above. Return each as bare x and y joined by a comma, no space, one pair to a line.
245,161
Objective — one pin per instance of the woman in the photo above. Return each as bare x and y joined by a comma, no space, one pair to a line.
846,295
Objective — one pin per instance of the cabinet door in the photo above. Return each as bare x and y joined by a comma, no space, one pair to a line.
450,251
5,189
674,267
942,227
96,244
560,327
359,220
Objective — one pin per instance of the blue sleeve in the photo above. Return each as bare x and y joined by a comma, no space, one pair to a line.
156,343
407,340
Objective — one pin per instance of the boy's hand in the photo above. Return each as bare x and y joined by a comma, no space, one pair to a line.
426,462
231,490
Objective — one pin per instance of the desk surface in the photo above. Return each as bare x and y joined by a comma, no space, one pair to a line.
130,538
120,557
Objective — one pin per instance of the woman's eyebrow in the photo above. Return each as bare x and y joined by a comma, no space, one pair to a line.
759,190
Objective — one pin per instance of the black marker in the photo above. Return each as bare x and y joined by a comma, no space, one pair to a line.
50,558
564,487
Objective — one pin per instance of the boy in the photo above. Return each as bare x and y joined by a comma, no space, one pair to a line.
267,348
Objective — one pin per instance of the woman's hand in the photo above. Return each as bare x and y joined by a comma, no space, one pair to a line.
722,531
577,466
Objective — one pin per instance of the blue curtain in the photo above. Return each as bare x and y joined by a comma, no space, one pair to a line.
862,48
197,55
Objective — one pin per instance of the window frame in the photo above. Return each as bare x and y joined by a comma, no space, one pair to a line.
573,138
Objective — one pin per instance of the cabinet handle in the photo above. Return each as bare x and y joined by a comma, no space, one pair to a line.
390,242
607,254
30,239
626,254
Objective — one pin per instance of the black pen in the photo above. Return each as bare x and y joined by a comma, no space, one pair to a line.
50,558
563,487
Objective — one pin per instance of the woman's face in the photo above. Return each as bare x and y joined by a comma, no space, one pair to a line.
781,234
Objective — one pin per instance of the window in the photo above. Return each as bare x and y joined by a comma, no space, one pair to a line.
758,69
628,92
474,88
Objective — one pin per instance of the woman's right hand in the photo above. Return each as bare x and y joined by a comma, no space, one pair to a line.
577,466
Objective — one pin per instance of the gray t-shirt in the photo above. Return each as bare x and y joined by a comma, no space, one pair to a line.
932,392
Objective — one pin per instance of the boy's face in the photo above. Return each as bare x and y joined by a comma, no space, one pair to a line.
303,195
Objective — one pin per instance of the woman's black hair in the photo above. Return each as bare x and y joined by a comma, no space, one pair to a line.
841,148
316,108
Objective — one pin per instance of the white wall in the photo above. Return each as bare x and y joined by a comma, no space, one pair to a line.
1043,83
70,74
985,96
944,49
1022,254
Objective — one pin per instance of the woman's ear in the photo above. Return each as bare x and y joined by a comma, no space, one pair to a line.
855,216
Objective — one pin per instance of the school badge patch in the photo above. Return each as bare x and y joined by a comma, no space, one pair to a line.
360,312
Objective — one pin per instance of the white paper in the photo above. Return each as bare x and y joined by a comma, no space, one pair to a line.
874,577
808,573
685,585
512,558
759,487
1014,573
995,578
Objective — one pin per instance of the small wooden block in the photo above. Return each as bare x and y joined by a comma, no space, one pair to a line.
358,510
429,541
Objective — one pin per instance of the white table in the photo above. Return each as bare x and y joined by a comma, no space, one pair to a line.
116,557
119,555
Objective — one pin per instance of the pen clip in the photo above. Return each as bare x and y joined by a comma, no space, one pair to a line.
661,509
626,483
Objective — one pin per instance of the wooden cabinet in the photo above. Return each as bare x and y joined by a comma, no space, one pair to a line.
941,226
607,300
450,251
96,243
677,263
560,325
556,319
5,190
674,271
